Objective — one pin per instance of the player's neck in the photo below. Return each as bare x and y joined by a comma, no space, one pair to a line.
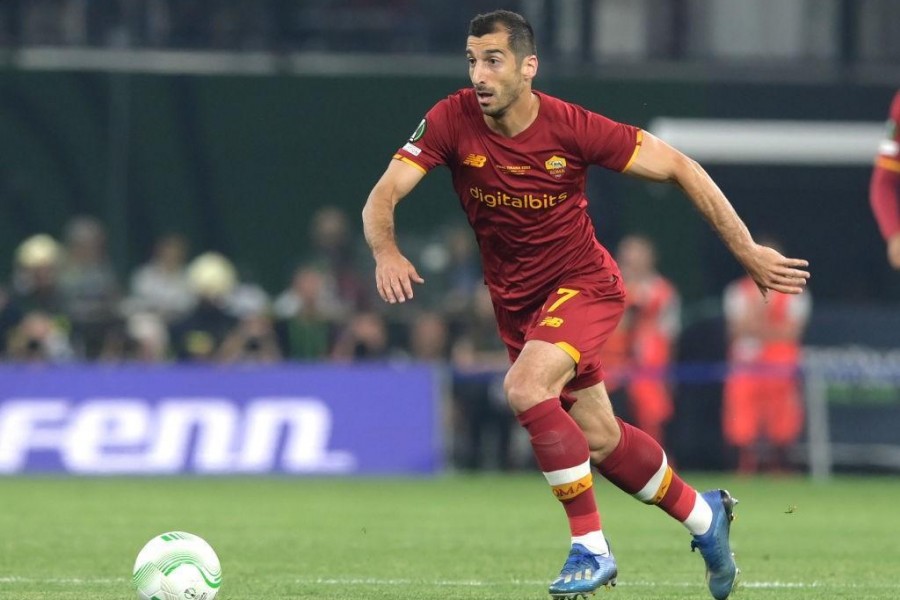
520,115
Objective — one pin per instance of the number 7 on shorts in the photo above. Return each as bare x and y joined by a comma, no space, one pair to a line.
564,294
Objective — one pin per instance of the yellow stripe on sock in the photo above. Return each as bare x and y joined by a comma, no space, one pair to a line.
663,487
567,491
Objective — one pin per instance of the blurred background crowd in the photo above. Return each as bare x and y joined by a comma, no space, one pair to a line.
65,303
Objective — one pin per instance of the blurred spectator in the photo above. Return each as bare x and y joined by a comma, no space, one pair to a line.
429,338
310,288
483,427
478,346
161,284
36,277
640,350
10,315
90,289
464,271
199,335
334,253
364,337
453,271
307,316
247,298
762,402
38,338
253,340
146,338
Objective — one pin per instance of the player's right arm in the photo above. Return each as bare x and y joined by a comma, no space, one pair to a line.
394,274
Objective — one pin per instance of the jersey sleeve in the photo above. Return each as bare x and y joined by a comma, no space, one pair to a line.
884,187
431,143
889,148
604,142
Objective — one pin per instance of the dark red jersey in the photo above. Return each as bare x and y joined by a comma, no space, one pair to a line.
884,188
524,196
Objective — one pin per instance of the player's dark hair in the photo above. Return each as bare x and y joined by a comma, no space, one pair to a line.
521,35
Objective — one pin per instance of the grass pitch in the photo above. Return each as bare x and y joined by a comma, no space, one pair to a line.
486,537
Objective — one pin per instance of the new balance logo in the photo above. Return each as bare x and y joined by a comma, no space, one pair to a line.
475,160
551,322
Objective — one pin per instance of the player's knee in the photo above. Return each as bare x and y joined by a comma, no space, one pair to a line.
521,394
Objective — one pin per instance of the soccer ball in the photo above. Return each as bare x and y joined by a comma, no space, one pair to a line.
177,566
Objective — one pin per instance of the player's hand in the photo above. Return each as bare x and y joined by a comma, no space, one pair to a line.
772,271
394,276
893,251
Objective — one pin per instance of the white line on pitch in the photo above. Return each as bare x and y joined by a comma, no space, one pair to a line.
479,583
12,580
65,580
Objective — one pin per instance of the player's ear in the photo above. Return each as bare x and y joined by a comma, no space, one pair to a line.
529,67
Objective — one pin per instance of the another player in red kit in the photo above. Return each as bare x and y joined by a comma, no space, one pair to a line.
518,160
884,189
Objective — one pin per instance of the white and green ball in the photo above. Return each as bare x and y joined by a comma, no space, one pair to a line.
177,566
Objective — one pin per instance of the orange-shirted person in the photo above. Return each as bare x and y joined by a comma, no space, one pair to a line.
640,349
884,188
762,404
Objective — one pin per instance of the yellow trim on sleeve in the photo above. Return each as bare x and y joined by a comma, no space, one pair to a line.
891,164
637,148
410,162
570,350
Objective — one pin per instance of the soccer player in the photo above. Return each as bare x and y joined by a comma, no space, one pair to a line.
518,159
884,188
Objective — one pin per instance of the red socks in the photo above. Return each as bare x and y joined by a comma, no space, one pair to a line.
638,466
563,455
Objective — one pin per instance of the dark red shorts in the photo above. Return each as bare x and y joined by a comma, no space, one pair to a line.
579,317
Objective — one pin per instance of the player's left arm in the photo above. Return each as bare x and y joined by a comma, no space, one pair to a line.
658,161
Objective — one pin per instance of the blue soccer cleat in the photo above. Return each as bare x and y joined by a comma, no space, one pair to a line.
721,570
583,573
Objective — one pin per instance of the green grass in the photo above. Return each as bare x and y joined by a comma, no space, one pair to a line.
491,537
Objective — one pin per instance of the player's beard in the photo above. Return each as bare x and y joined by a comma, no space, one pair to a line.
503,100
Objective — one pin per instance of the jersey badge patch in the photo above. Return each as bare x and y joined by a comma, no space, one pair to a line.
556,166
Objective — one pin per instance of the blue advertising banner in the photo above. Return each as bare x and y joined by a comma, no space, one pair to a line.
289,418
